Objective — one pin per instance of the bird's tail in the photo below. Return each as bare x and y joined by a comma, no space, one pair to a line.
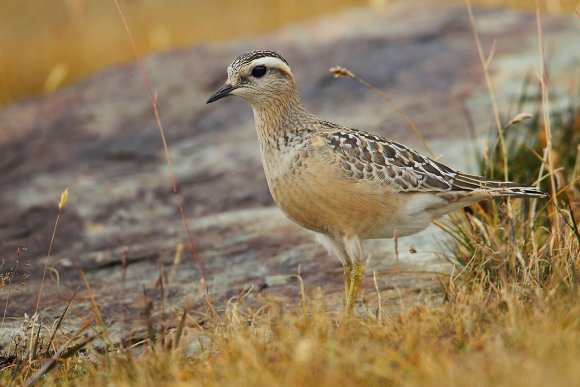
467,182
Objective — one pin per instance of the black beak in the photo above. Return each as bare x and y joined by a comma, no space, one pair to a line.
223,91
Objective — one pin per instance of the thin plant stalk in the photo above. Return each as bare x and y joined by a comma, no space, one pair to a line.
485,63
63,199
340,71
153,100
547,124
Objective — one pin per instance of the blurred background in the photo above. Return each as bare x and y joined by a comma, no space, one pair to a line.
45,44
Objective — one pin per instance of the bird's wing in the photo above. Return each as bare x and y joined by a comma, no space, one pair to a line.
369,157
366,156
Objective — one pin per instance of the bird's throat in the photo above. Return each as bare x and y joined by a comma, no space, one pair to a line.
278,117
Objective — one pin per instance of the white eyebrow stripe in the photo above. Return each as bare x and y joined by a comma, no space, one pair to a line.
271,62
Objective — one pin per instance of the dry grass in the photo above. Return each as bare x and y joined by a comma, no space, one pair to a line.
473,337
47,44
492,338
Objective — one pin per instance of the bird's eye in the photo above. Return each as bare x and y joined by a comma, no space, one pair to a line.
259,71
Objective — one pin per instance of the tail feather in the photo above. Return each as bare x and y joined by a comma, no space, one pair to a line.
467,182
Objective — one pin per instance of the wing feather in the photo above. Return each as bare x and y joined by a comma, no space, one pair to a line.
366,156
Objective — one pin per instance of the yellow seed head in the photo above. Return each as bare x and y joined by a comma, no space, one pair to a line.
63,199
340,71
517,119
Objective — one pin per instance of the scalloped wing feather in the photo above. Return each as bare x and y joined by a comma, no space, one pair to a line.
369,157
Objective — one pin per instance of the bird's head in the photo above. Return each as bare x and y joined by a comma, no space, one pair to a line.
259,77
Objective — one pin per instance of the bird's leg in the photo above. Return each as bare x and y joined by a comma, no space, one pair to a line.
353,249
356,275
347,272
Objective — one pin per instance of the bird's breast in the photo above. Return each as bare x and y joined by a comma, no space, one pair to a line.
315,195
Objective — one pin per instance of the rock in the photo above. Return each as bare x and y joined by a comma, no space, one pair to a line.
194,345
99,138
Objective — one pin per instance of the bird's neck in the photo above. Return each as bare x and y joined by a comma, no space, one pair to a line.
282,124
280,115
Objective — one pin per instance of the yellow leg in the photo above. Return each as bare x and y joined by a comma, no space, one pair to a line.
347,272
356,274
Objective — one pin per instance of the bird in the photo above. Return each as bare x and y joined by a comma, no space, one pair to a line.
346,185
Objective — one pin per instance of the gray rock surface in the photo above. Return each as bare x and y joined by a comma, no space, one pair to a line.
99,138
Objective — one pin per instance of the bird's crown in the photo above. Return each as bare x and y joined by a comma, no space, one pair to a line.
248,57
